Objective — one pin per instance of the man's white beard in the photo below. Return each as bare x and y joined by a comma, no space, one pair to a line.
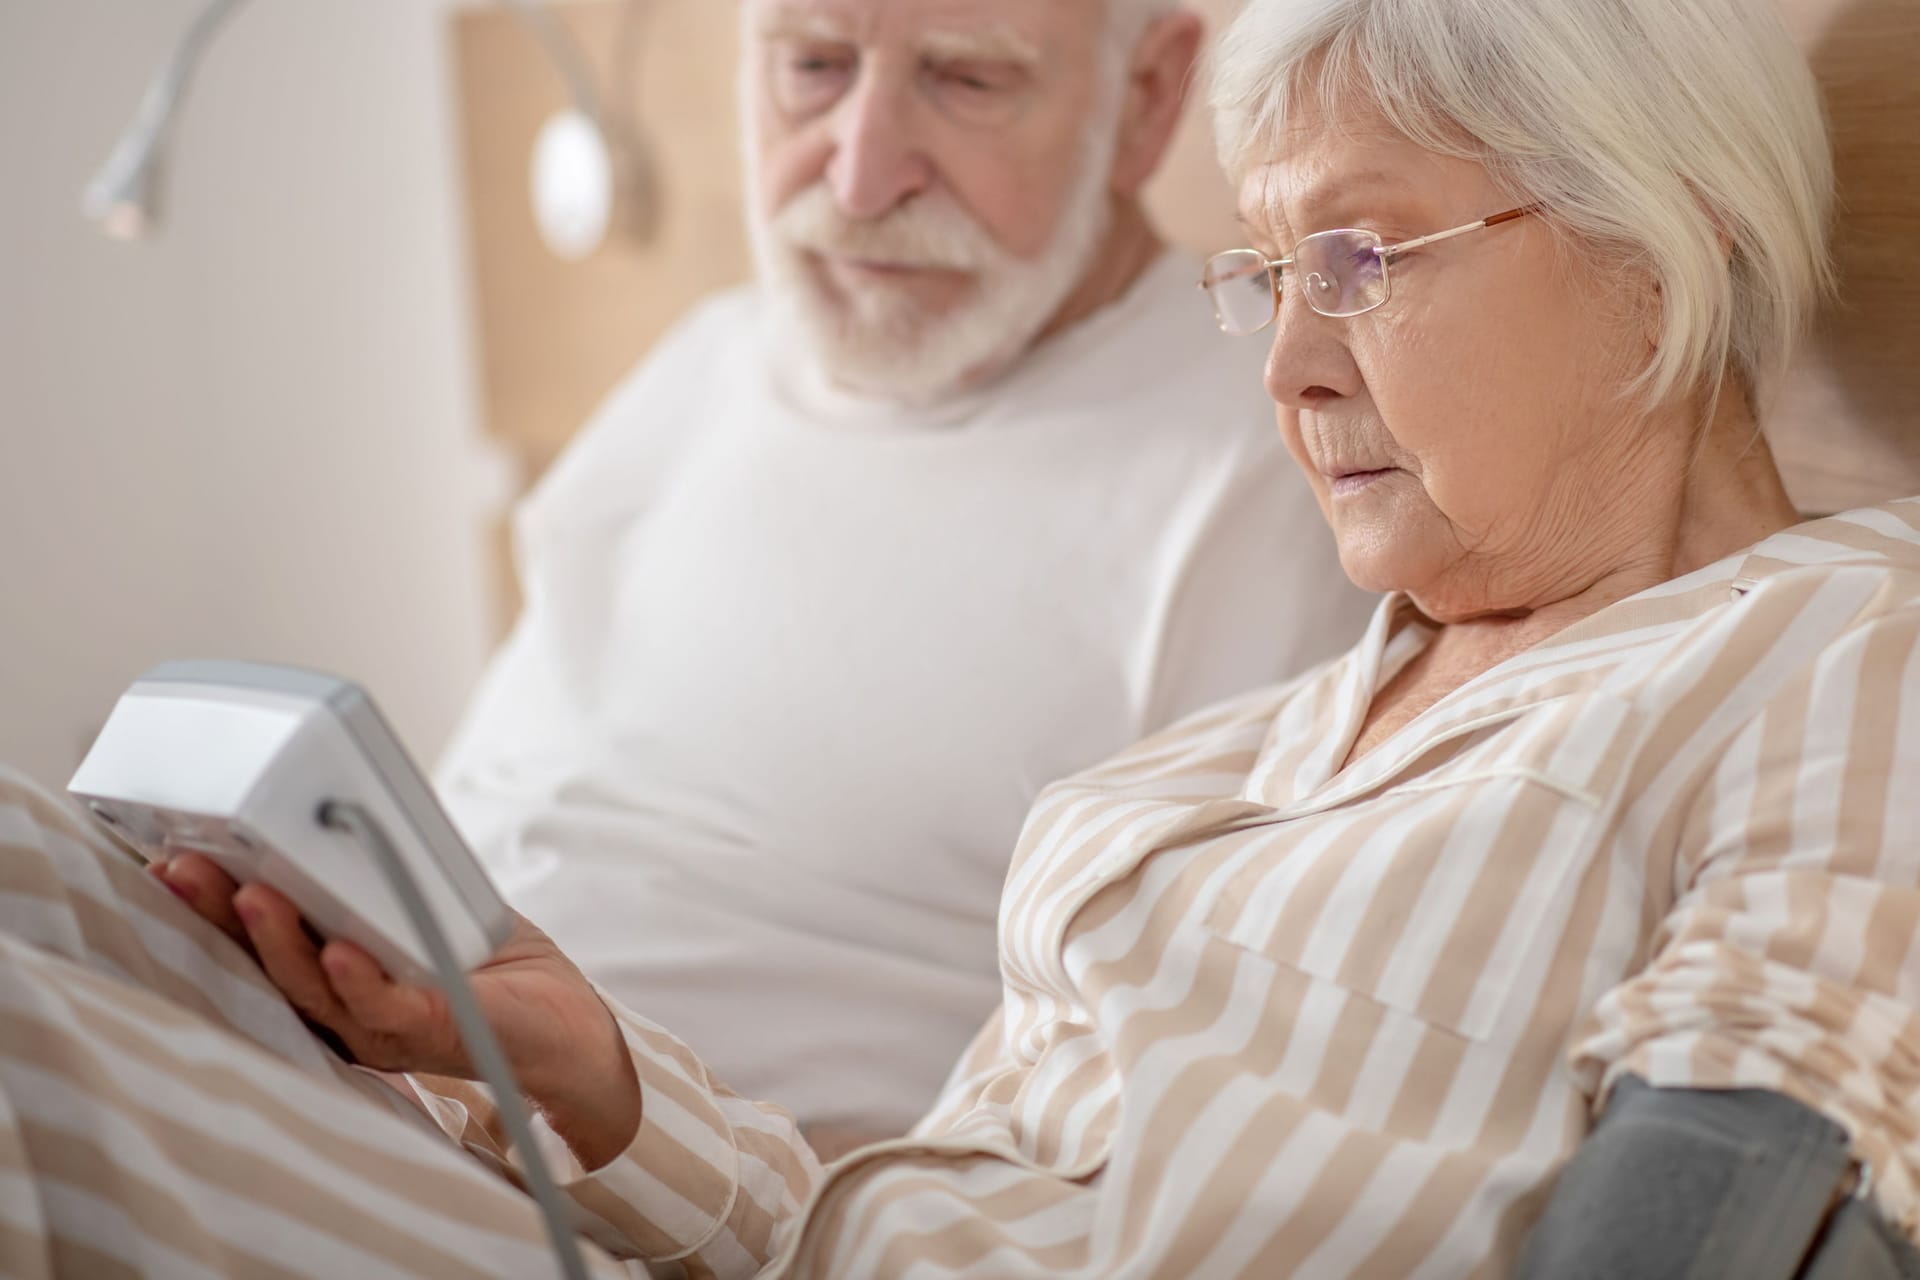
877,339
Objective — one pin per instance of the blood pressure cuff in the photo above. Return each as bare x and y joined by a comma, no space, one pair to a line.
1701,1184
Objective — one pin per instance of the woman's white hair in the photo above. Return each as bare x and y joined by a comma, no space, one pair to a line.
1684,135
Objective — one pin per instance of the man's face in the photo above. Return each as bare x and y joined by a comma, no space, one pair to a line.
929,177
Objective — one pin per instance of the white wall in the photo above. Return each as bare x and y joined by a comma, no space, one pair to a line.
256,435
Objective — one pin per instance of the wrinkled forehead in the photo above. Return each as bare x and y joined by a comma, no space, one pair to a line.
1328,168
1320,182
1027,31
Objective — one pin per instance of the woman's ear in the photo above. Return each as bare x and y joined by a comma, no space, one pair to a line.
1158,75
1655,317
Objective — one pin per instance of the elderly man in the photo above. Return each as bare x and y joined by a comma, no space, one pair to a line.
945,507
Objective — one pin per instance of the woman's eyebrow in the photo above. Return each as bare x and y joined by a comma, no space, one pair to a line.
1342,191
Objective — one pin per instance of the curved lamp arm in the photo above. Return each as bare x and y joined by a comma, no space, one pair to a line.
601,142
565,54
124,196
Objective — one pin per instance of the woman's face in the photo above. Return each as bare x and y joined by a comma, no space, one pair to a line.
1469,440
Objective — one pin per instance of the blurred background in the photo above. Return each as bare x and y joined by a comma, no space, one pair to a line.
258,433
289,424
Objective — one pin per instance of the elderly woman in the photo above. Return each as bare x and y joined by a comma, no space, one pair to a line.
1565,924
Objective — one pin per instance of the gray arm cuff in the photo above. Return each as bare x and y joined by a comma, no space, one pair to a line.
1704,1184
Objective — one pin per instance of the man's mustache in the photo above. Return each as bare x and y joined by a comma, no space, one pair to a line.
929,232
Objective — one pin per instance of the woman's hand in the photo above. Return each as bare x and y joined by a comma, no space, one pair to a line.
561,1041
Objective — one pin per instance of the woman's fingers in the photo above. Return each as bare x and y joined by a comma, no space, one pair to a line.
337,986
290,957
414,1019
373,1020
201,884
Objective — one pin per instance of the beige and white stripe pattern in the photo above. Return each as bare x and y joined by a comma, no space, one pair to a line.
1266,1016
164,1113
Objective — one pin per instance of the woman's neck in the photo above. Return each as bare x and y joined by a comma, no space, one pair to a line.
1734,495
1728,497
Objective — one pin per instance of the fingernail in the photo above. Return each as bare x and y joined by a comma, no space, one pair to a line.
248,913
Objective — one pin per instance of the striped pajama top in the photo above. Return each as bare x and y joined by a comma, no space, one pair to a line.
1265,1015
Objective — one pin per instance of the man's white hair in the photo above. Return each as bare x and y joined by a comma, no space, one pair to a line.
1684,135
879,343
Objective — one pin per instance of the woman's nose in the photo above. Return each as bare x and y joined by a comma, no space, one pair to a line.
1308,363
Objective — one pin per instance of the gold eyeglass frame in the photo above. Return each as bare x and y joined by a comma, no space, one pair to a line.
1385,252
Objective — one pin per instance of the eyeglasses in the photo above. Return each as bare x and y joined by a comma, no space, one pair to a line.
1342,273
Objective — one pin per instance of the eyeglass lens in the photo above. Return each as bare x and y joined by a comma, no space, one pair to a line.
1340,273
1241,287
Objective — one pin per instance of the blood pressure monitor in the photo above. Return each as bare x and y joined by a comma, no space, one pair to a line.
254,766
292,778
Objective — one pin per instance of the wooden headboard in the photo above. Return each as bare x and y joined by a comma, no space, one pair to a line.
1847,429
555,336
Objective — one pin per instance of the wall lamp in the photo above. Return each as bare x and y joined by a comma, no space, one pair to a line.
125,197
589,173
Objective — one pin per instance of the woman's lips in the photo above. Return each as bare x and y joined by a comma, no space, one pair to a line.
1352,482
